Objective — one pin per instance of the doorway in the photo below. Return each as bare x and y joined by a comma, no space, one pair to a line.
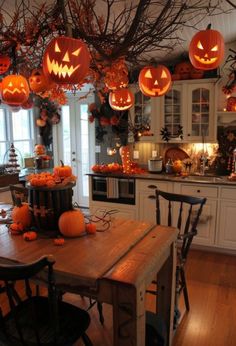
74,143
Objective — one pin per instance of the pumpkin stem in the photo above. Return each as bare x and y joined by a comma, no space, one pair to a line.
208,27
18,202
62,163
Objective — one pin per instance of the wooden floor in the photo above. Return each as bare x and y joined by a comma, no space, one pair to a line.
212,317
211,321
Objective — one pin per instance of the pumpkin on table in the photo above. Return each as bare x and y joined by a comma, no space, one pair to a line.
39,149
15,90
16,228
30,235
66,60
154,81
21,214
72,223
62,171
206,49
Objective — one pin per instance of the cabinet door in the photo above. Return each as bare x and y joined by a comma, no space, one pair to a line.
200,115
172,111
143,116
226,235
122,210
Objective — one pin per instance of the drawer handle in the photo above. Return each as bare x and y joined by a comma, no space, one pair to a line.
198,190
152,186
152,197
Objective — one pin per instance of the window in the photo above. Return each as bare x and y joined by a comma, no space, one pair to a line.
16,128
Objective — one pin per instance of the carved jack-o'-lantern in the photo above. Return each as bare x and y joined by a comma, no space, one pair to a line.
4,63
154,81
38,82
66,60
115,80
121,99
183,69
206,49
15,90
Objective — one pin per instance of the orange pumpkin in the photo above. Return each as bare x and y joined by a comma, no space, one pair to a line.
154,81
59,241
72,223
183,69
206,49
125,158
5,62
121,99
16,228
38,82
39,149
21,214
66,60
91,228
62,171
15,90
30,235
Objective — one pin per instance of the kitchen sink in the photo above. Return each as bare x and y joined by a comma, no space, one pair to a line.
204,178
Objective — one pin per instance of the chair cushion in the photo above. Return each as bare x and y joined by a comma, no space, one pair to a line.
73,322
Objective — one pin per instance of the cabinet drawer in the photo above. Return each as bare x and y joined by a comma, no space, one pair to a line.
228,193
199,190
151,185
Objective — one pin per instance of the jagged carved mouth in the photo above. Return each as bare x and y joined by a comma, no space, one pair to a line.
153,91
60,69
205,60
14,91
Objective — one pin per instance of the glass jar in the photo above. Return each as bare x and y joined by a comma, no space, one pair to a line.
169,167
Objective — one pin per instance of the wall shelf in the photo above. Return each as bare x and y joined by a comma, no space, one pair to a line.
225,118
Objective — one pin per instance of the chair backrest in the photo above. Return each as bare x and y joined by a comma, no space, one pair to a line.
183,212
18,192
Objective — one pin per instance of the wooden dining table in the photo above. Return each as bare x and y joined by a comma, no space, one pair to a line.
114,266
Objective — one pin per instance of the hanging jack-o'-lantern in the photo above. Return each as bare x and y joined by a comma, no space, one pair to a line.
206,49
121,99
5,62
66,60
154,81
15,90
38,82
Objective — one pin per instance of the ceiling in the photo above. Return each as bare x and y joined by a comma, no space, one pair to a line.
224,22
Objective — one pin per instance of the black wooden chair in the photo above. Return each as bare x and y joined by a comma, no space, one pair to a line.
38,320
18,192
183,212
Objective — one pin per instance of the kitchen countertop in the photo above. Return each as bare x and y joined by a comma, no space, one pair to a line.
200,179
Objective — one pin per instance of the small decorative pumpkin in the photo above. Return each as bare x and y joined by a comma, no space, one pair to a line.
121,99
66,60
15,90
72,223
41,122
62,171
59,241
154,81
39,149
16,228
21,214
183,69
206,49
30,235
38,82
5,62
125,158
91,228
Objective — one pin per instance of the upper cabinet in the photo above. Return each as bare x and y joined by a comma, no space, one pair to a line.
191,105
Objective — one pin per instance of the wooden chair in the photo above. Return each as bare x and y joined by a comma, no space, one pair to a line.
38,320
182,212
18,192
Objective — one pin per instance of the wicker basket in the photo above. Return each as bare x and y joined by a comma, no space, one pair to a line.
47,204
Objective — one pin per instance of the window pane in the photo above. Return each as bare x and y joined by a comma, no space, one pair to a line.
84,142
22,150
2,125
66,134
21,125
3,149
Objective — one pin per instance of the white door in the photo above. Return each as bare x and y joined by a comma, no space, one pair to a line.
74,143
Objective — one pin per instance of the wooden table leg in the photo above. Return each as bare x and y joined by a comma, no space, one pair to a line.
128,315
166,292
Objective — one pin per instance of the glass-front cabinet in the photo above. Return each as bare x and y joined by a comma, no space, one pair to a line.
189,109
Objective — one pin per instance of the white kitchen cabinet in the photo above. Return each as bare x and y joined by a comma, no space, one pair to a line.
122,210
207,224
226,233
145,197
190,104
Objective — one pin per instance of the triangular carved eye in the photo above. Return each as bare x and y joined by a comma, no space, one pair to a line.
163,74
22,85
77,52
10,84
199,45
57,49
148,74
214,49
128,99
113,98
